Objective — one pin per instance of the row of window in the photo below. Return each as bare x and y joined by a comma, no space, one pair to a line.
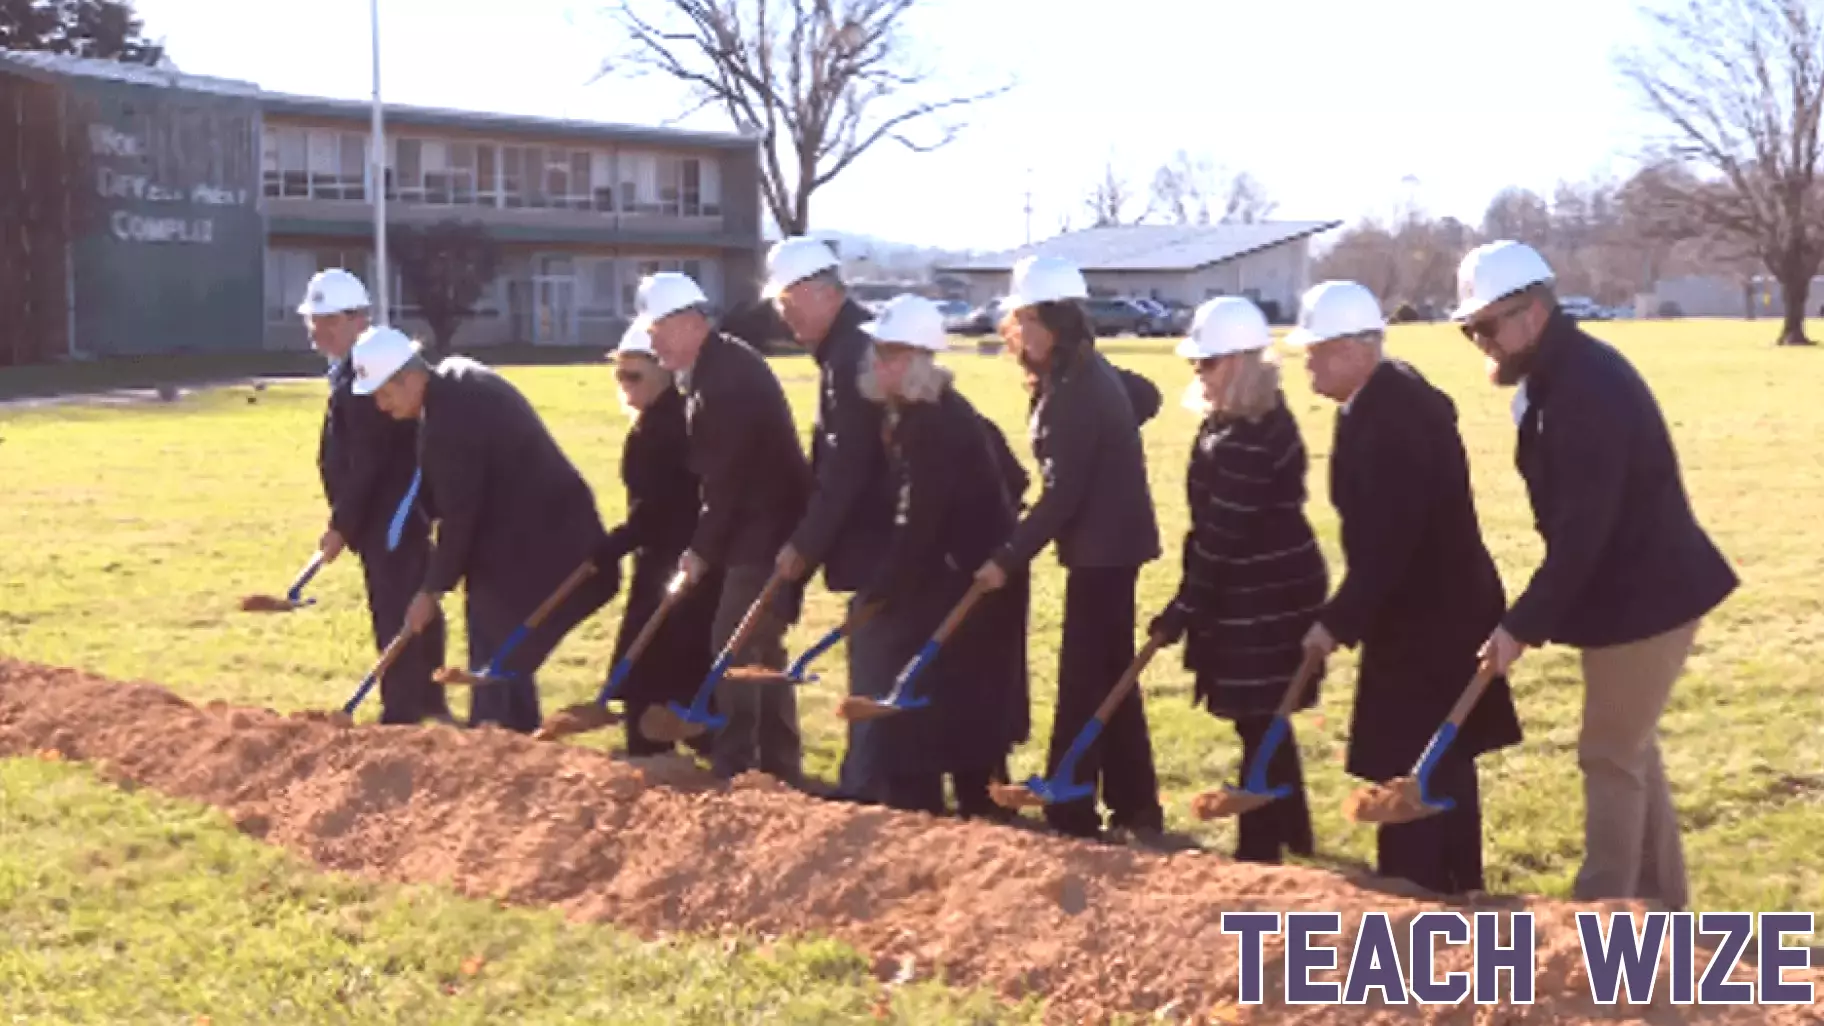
588,287
318,163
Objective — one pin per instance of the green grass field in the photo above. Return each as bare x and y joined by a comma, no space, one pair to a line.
131,533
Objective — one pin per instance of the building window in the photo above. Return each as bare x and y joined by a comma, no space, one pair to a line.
408,171
288,274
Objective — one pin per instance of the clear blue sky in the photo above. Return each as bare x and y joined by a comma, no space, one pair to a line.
1332,104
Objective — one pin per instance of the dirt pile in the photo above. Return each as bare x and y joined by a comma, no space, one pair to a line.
658,846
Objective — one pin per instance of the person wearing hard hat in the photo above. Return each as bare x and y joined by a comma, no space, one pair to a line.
755,483
849,520
1254,577
955,506
367,462
1419,590
514,517
1629,574
662,498
1097,508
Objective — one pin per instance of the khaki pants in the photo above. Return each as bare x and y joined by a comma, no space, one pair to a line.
1630,832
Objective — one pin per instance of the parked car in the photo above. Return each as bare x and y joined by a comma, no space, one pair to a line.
983,320
1109,317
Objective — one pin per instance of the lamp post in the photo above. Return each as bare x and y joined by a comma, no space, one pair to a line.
377,171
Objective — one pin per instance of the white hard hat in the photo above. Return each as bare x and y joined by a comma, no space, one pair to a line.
332,292
378,355
1225,325
792,260
1335,309
1044,279
662,295
1495,271
910,320
635,340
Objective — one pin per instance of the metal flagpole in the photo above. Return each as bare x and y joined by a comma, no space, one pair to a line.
377,172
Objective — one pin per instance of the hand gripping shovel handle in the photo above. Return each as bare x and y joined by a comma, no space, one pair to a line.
1447,733
387,658
699,705
296,593
929,652
545,609
673,594
1256,781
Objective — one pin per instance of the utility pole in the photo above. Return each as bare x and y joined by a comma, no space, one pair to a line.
377,168
1028,206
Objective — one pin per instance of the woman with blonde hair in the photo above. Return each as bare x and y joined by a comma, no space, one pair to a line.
958,489
1254,577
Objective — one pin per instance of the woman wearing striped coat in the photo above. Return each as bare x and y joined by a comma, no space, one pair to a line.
1254,578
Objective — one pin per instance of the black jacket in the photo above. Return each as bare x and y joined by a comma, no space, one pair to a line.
1625,558
1096,504
366,460
744,450
661,514
955,505
1420,592
849,520
1254,577
514,516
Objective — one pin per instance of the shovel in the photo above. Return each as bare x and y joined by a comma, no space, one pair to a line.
294,599
798,675
494,674
1254,792
862,708
587,716
1408,798
672,722
347,716
1039,791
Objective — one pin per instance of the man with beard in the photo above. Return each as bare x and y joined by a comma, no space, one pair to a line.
1628,574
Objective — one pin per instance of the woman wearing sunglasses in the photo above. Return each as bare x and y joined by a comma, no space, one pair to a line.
958,487
1254,577
662,503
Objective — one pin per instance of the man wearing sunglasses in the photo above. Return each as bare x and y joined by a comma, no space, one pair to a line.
1628,574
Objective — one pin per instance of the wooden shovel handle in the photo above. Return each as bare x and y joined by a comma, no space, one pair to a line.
1485,674
571,583
1126,683
975,594
751,620
673,594
1308,670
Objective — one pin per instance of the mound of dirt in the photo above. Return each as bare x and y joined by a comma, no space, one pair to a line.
658,846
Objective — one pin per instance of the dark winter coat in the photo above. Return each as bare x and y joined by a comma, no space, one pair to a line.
1420,593
1254,576
1096,504
366,460
745,451
955,505
515,518
850,516
662,496
1625,558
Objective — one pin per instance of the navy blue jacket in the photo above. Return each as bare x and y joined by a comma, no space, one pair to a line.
1625,558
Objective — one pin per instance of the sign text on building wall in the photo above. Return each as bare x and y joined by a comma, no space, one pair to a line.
116,183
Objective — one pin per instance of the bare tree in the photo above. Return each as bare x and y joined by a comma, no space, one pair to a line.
1184,187
1108,201
1740,84
1246,201
822,81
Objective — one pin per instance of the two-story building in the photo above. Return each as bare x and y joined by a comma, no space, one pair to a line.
198,208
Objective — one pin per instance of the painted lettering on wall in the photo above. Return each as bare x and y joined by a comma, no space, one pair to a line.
128,183
108,141
130,227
